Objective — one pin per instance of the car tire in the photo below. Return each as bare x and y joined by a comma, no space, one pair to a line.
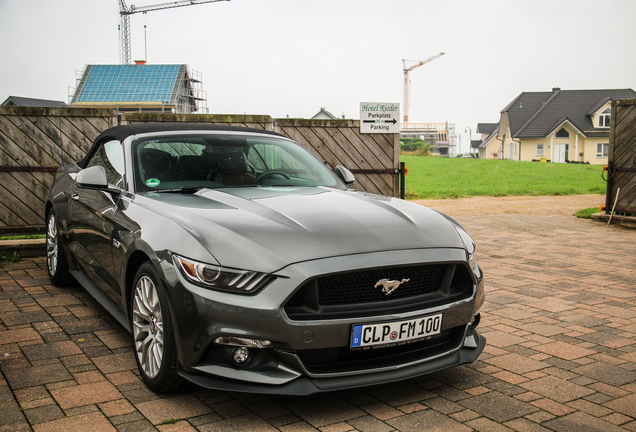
56,262
153,334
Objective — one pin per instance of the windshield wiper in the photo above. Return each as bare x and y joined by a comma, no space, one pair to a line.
189,189
238,186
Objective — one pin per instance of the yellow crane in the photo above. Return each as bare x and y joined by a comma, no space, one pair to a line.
406,80
125,12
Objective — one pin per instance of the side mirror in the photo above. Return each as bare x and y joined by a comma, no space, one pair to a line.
345,175
92,178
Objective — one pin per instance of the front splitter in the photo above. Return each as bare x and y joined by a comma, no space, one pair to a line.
304,386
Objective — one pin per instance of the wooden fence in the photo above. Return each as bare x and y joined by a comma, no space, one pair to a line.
621,168
373,158
35,141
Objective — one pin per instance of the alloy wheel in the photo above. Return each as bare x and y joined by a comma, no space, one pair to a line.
51,245
148,327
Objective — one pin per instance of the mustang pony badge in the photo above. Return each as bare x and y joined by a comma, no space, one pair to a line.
388,286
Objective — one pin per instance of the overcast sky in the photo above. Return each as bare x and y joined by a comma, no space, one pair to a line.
292,57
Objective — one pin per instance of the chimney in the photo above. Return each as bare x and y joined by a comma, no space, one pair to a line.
140,62
556,89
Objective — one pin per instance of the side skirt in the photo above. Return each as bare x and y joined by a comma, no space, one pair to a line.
101,298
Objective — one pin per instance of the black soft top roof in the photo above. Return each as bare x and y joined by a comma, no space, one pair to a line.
120,133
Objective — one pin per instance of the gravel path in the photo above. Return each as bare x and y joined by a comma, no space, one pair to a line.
509,205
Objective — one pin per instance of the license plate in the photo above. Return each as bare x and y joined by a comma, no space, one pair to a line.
368,335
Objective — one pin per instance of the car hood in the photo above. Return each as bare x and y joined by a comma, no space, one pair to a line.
265,229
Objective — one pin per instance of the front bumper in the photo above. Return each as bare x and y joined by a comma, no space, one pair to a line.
200,316
303,385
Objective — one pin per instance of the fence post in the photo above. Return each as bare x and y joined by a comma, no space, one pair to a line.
402,180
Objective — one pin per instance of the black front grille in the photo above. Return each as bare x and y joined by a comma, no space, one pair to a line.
365,287
361,293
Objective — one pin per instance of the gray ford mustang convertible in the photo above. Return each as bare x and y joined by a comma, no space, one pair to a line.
240,262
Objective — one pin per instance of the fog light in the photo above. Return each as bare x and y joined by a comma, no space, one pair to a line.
475,322
240,355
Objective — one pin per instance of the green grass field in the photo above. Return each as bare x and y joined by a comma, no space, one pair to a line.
437,178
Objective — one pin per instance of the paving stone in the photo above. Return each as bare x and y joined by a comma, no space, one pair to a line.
325,411
176,407
501,340
285,420
116,362
51,350
249,422
369,424
558,389
12,319
37,375
581,422
18,335
86,394
517,364
298,427
525,425
182,426
486,425
462,377
382,411
85,325
43,414
442,405
229,409
11,417
396,394
606,373
136,426
625,405
564,350
116,408
93,421
126,418
427,420
505,388
498,407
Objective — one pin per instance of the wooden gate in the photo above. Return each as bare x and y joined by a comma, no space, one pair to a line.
373,158
34,142
621,168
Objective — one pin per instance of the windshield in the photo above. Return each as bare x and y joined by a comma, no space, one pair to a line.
191,161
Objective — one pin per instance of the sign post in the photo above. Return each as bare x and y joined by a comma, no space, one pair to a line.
378,117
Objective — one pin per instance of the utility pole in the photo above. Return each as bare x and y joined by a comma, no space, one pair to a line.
125,12
406,80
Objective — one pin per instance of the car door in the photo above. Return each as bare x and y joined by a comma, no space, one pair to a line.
93,212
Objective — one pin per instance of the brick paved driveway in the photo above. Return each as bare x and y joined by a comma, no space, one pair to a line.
560,318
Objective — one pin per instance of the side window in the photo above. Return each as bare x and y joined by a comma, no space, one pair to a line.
602,149
604,118
110,155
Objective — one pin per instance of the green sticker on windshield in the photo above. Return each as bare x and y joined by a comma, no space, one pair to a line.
153,182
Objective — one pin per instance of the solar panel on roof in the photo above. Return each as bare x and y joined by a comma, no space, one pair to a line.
128,83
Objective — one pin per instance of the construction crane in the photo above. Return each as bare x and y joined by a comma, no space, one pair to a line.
406,81
125,13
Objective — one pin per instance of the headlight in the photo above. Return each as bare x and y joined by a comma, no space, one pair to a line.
223,279
469,245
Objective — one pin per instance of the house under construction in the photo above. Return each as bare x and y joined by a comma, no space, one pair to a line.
140,88
441,135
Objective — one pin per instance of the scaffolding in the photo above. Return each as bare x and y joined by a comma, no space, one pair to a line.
437,134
